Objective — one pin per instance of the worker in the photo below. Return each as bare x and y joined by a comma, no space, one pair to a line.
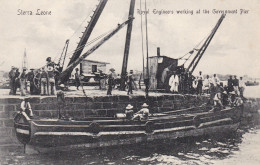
241,87
16,82
206,85
230,84
36,82
195,86
200,83
44,82
215,80
77,78
51,78
217,101
130,82
191,78
142,114
110,81
129,111
26,107
12,80
235,85
102,80
225,100
23,84
174,83
30,77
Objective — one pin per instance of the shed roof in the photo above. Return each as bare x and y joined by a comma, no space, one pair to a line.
100,62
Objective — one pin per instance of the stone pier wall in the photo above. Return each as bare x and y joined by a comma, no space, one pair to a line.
80,107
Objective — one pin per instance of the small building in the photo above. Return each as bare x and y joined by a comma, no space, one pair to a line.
92,67
157,64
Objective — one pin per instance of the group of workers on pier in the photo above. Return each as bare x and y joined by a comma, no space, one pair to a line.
36,82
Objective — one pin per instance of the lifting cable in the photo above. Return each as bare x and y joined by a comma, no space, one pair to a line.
142,36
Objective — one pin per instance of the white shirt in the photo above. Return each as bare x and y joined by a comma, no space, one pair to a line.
25,105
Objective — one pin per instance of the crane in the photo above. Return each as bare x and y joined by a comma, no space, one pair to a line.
85,36
203,48
69,69
63,56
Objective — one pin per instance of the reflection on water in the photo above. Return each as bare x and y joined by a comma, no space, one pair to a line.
237,148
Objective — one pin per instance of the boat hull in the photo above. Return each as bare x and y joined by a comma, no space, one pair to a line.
98,133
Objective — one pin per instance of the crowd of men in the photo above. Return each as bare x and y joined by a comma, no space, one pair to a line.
220,94
36,82
113,80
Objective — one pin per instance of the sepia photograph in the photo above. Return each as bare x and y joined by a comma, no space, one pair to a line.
129,82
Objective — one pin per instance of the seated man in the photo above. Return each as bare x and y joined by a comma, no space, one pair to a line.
142,114
129,111
26,107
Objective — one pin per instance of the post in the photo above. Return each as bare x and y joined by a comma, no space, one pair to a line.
127,45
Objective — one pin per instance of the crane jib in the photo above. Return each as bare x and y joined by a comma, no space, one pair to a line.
64,74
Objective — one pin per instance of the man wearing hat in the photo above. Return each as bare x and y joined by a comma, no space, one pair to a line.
110,81
30,77
143,113
130,82
26,107
12,80
23,78
129,111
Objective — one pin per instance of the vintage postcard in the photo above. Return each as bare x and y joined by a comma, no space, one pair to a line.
129,82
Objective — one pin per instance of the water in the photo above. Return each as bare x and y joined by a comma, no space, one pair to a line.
242,147
237,148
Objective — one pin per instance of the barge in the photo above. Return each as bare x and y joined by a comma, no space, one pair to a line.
109,131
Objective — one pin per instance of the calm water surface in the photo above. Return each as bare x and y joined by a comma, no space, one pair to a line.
242,147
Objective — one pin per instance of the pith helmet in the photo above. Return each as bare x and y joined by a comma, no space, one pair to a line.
129,106
144,105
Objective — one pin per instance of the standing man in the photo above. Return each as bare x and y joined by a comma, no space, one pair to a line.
16,81
215,80
110,81
23,78
241,87
30,77
130,82
37,82
174,82
235,85
12,80
51,78
200,83
102,80
44,82
230,84
190,82
206,85
77,78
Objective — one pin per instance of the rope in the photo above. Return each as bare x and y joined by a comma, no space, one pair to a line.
55,58
142,36
89,43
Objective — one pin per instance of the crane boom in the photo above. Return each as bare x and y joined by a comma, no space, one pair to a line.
63,56
87,33
203,48
69,69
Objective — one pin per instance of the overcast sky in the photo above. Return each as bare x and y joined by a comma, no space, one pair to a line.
234,49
